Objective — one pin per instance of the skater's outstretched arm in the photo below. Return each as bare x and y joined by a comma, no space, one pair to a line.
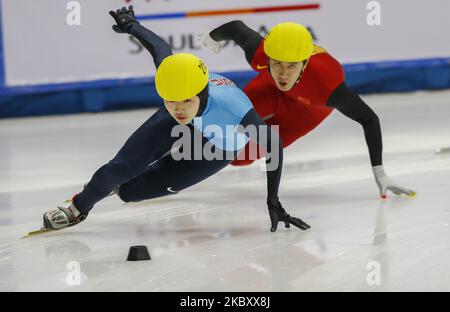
269,140
248,39
127,23
352,106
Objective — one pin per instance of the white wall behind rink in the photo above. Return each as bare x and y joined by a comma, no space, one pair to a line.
40,48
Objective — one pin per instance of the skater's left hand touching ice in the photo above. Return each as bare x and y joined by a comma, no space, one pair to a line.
278,214
124,18
387,184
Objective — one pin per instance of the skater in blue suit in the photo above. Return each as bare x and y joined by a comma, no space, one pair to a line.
210,113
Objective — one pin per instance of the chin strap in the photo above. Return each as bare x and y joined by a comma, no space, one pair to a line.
305,62
203,96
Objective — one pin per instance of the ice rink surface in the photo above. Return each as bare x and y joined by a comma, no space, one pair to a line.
215,236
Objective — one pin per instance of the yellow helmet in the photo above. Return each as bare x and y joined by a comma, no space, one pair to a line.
289,42
180,77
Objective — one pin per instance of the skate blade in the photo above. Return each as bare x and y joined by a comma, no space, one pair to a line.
33,233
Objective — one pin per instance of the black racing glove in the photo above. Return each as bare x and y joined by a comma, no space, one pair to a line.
124,18
278,214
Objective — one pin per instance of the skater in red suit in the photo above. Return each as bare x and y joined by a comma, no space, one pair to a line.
298,86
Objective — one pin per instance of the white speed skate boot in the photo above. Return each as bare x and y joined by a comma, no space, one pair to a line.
63,217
